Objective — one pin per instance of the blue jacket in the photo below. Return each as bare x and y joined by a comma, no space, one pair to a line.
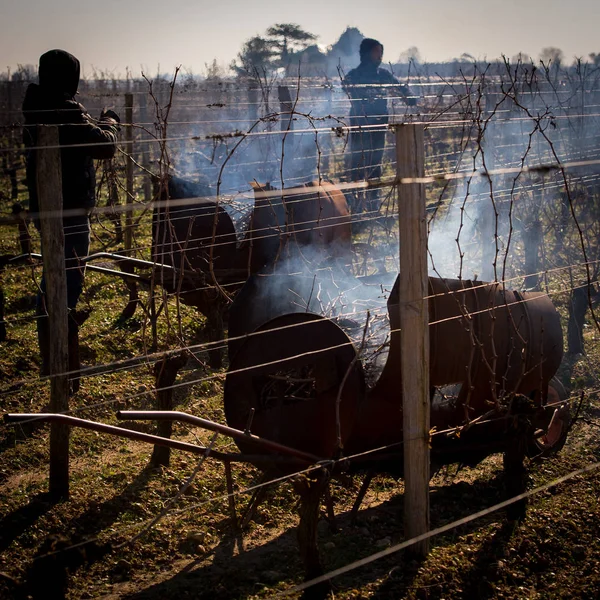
369,87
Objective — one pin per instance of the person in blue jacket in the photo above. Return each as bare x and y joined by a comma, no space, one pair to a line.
369,87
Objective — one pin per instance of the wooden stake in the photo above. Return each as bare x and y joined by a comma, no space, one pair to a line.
129,172
252,102
146,146
327,146
487,214
285,106
2,301
49,189
414,337
231,496
166,373
361,496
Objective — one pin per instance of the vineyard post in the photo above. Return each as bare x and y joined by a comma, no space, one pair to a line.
252,101
488,212
129,173
328,145
414,335
146,147
286,106
49,189
6,119
12,155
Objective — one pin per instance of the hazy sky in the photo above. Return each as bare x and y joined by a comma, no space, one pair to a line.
112,35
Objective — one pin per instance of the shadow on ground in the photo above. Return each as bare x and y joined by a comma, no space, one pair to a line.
20,520
276,565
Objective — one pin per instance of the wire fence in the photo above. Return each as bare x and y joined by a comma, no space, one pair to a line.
289,189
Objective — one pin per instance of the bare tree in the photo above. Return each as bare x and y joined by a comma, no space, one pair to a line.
552,55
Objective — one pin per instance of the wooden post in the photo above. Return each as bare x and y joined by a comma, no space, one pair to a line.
6,116
578,304
533,237
327,146
129,173
49,189
146,146
129,310
285,106
286,123
22,218
487,214
3,262
165,372
253,102
113,199
414,336
13,157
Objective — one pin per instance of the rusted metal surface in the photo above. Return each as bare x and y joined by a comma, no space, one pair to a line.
260,460
212,246
292,396
246,438
487,344
310,217
207,246
196,239
110,430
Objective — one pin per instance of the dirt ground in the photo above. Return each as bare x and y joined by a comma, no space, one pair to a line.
193,552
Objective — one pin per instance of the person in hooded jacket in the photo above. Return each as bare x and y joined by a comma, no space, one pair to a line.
368,88
52,102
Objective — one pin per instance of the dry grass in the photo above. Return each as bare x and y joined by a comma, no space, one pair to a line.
551,554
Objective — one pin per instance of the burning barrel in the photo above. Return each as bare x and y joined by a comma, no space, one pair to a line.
216,244
332,380
193,233
211,254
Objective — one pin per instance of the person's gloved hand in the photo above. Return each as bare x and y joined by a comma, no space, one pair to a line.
109,114
110,117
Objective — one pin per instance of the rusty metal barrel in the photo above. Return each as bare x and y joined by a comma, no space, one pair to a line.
193,233
218,244
487,344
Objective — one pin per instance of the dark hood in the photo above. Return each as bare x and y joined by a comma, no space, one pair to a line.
365,51
59,73
40,106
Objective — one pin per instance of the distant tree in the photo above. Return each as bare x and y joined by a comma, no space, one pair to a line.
595,58
522,58
411,54
214,71
347,45
551,55
187,78
466,57
24,73
282,42
312,60
287,38
257,54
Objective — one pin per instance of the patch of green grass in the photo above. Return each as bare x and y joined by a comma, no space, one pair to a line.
551,554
